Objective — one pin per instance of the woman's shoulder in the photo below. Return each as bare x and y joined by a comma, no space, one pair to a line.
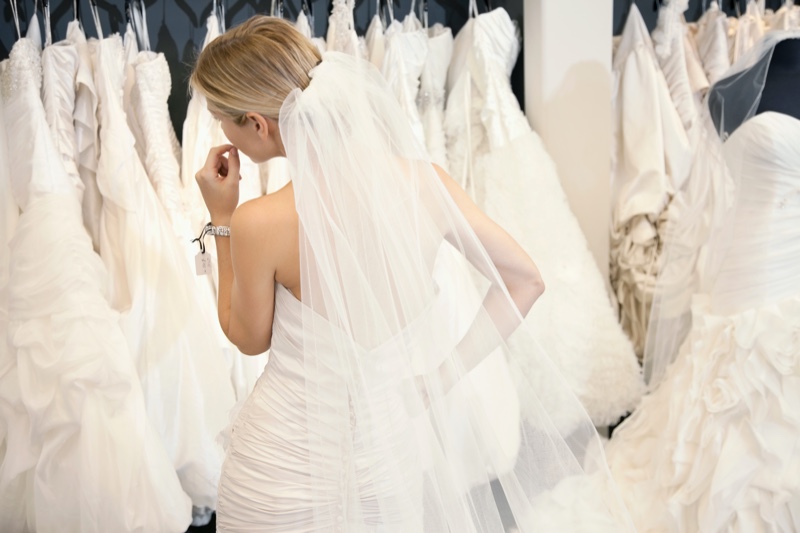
265,215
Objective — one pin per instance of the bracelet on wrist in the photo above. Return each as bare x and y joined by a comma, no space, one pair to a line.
219,231
210,229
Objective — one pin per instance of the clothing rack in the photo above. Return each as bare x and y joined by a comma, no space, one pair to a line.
177,27
649,9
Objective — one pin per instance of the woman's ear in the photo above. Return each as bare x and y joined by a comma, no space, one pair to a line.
260,123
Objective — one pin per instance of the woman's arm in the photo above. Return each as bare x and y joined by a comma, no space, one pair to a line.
515,266
246,292
496,319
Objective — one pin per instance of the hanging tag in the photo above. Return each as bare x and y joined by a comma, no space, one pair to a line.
202,264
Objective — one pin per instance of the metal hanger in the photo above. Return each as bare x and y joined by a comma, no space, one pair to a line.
473,8
276,12
388,6
216,9
48,34
96,18
15,13
129,18
142,32
309,12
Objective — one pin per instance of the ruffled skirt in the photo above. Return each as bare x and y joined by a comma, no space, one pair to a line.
716,447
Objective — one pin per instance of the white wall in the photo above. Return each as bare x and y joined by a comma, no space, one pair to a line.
568,102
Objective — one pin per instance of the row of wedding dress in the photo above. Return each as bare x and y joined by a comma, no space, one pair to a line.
115,388
713,446
659,85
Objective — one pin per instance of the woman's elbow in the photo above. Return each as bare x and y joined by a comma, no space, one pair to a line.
253,350
537,286
251,346
531,289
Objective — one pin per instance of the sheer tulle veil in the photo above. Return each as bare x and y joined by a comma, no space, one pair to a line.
374,217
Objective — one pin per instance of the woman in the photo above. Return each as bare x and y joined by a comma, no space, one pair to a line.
346,428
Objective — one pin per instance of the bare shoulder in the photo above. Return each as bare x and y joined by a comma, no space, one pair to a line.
267,216
265,235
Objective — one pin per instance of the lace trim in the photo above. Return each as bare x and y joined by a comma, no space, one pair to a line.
433,97
24,69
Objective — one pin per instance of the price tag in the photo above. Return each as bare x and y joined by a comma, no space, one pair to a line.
202,263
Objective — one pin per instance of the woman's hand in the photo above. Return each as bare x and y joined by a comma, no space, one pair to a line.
219,183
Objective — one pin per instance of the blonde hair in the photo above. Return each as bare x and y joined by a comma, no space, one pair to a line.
253,67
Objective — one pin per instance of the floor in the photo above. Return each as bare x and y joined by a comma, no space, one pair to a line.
210,528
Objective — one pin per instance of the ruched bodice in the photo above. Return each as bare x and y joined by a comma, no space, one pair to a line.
761,264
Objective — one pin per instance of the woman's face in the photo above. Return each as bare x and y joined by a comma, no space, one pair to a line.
257,137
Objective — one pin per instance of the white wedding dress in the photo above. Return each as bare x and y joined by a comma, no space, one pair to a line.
149,101
431,95
712,42
749,30
16,475
201,132
86,141
303,24
679,63
651,154
97,460
342,36
786,18
406,58
375,40
403,62
502,163
715,446
645,156
178,358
